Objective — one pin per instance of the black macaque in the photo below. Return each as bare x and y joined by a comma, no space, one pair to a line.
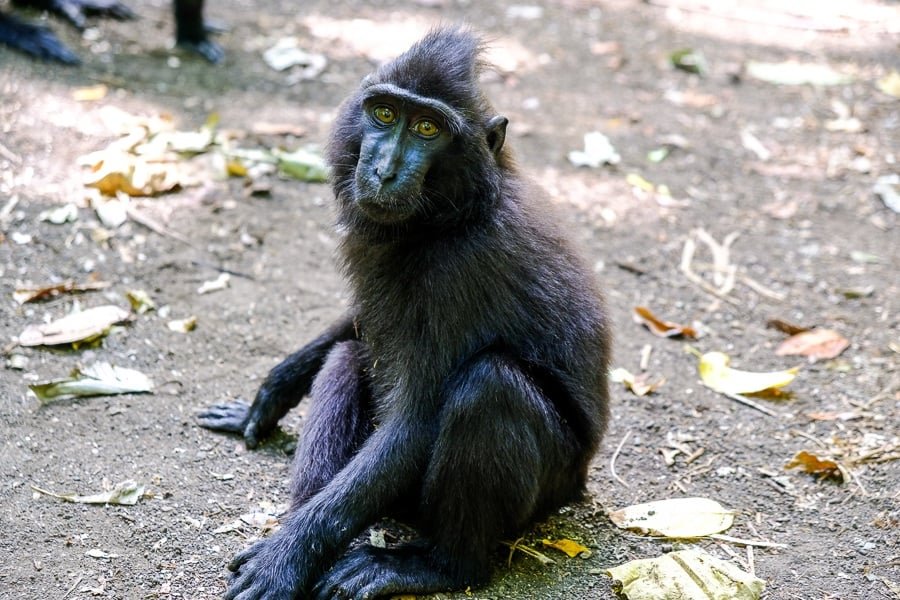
465,390
40,42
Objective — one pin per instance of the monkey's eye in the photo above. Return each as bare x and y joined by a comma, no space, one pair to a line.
426,128
384,114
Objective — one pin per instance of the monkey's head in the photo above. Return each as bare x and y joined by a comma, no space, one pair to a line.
418,144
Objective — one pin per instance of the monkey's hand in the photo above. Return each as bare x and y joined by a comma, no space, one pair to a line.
370,572
77,11
225,416
271,569
254,421
36,41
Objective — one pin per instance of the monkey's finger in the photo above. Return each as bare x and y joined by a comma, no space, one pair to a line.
243,556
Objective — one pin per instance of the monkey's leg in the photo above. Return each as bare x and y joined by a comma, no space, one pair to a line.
339,421
77,11
35,40
283,388
191,31
499,445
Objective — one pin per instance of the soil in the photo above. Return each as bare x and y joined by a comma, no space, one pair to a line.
816,245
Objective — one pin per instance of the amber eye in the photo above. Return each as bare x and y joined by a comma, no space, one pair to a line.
384,114
426,128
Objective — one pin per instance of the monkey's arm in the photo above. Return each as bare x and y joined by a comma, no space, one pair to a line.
37,41
283,388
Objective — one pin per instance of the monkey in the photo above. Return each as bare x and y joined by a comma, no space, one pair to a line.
464,391
35,40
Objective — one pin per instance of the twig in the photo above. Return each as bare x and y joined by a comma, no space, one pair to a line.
612,461
762,290
802,434
742,542
156,227
220,269
687,257
748,402
517,545
71,589
9,155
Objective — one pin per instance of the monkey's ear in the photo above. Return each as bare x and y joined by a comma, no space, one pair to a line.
496,133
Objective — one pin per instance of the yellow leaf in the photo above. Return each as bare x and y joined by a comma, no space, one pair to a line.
89,93
571,548
890,84
675,517
717,375
685,575
811,463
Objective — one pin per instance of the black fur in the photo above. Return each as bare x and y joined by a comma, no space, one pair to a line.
465,391
40,42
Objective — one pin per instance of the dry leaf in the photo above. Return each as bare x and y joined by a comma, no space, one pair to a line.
90,93
79,327
183,325
32,294
657,326
816,466
890,84
675,518
785,326
718,376
816,344
638,384
570,547
125,493
685,575
140,301
217,284
100,379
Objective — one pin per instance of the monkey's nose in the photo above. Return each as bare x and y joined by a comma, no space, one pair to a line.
386,174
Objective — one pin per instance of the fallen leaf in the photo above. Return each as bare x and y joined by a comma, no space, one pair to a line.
890,84
100,379
570,547
816,466
68,213
90,93
598,150
786,327
796,73
97,553
717,375
140,301
685,575
183,325
688,59
32,294
79,327
303,164
657,326
126,493
887,187
675,518
219,283
638,384
815,343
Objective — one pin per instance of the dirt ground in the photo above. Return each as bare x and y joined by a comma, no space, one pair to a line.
772,163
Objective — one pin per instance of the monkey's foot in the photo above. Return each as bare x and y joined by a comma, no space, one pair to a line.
369,572
268,570
211,51
36,41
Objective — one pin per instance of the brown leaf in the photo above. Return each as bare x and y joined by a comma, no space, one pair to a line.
34,293
786,327
815,343
814,465
657,326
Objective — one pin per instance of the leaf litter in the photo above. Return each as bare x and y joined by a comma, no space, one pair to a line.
99,379
76,328
126,493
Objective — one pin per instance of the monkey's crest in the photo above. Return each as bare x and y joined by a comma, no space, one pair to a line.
445,65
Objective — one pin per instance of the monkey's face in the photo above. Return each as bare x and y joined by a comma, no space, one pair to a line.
401,142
